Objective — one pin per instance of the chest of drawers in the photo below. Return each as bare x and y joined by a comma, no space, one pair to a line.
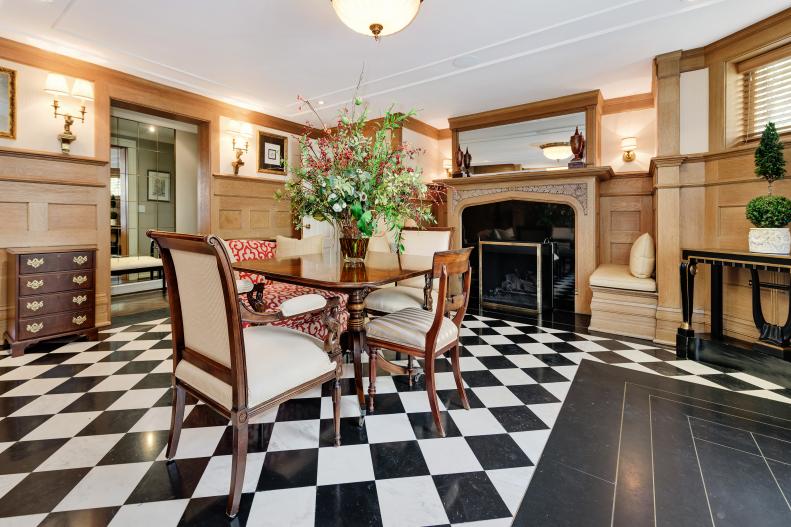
50,294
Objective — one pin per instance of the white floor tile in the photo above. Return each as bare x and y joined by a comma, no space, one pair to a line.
512,376
511,484
547,412
495,339
9,481
345,464
23,373
417,401
536,348
587,345
157,513
532,442
198,442
526,361
389,427
48,404
137,345
62,425
349,407
287,507
760,383
78,452
636,355
101,369
293,435
117,383
104,486
34,387
695,368
145,398
476,421
32,520
154,354
217,476
123,336
87,357
410,501
155,419
494,396
449,455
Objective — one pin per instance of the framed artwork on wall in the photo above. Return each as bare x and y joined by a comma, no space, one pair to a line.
158,186
272,153
7,103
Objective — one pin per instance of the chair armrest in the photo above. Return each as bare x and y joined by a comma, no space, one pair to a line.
256,297
254,317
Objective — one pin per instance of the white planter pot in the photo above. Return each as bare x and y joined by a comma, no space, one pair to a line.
770,241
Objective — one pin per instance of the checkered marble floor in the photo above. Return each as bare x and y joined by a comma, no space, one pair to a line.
83,428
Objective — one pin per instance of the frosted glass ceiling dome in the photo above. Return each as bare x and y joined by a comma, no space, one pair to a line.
377,18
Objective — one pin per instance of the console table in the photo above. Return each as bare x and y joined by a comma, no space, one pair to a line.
773,339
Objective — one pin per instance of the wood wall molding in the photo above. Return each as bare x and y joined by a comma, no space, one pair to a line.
629,103
444,133
693,59
526,112
51,156
751,38
420,127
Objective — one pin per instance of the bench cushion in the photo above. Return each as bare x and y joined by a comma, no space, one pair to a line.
619,277
134,262
642,257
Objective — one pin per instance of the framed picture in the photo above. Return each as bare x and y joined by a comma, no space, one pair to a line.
158,186
272,153
7,103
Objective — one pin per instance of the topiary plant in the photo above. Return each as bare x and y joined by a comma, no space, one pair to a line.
769,161
769,212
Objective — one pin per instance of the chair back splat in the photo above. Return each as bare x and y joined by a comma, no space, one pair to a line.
448,266
205,316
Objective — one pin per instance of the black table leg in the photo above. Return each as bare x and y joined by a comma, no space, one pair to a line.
685,336
716,301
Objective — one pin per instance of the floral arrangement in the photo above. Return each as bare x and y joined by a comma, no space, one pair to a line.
358,180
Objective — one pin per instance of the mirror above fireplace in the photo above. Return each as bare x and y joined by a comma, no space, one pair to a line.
518,146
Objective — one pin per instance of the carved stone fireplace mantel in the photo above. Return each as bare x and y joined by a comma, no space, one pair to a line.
578,188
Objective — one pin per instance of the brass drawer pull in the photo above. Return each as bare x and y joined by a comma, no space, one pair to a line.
79,260
79,320
35,263
35,284
35,305
35,327
79,280
79,299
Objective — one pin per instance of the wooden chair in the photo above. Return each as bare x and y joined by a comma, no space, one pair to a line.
427,335
239,373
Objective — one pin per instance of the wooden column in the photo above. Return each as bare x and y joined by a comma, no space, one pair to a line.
666,172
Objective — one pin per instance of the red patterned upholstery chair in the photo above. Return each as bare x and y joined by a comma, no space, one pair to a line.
275,293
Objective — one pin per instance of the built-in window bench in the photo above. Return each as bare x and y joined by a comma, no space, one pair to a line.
623,304
137,264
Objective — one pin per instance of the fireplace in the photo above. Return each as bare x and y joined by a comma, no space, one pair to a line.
517,276
512,234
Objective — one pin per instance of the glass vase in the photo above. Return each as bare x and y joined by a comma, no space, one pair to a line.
354,249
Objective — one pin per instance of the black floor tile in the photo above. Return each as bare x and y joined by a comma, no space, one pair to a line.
469,497
289,469
25,456
533,394
155,380
351,432
517,418
334,502
399,459
40,492
210,512
81,518
544,375
498,451
169,480
9,405
480,378
556,359
299,409
258,436
136,447
203,415
77,385
424,428
93,401
113,422
15,428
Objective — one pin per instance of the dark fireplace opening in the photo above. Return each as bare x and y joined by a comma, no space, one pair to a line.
515,221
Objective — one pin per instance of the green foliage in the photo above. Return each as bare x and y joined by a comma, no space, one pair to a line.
769,211
769,161
358,181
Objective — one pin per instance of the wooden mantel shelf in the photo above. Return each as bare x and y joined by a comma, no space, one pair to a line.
600,173
251,179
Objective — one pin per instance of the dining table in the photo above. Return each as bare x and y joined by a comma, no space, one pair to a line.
329,271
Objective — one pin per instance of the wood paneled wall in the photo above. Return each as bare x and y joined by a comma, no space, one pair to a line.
48,200
626,211
53,199
245,207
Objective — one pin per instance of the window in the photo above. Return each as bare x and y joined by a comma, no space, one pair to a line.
766,96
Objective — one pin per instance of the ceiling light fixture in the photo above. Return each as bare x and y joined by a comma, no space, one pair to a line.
556,151
376,18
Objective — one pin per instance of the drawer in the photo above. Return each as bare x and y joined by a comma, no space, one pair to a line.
38,284
48,262
34,327
36,306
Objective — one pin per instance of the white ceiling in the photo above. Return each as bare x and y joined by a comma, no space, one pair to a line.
261,54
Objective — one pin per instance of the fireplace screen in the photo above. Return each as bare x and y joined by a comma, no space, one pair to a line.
516,276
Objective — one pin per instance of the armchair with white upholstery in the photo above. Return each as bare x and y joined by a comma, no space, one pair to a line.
239,372
411,293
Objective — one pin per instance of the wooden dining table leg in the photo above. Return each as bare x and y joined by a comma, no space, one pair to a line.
356,343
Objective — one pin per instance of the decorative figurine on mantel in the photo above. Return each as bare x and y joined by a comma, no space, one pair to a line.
459,162
467,162
577,143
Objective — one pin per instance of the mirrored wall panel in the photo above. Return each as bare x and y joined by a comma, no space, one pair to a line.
539,144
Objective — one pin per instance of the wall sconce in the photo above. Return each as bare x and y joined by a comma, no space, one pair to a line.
629,145
57,86
447,164
241,132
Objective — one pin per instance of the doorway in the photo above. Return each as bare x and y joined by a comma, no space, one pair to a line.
154,166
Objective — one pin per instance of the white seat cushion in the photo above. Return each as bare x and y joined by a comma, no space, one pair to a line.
243,286
134,262
392,299
409,327
619,277
278,360
301,304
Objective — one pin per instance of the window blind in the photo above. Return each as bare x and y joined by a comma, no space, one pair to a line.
766,97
